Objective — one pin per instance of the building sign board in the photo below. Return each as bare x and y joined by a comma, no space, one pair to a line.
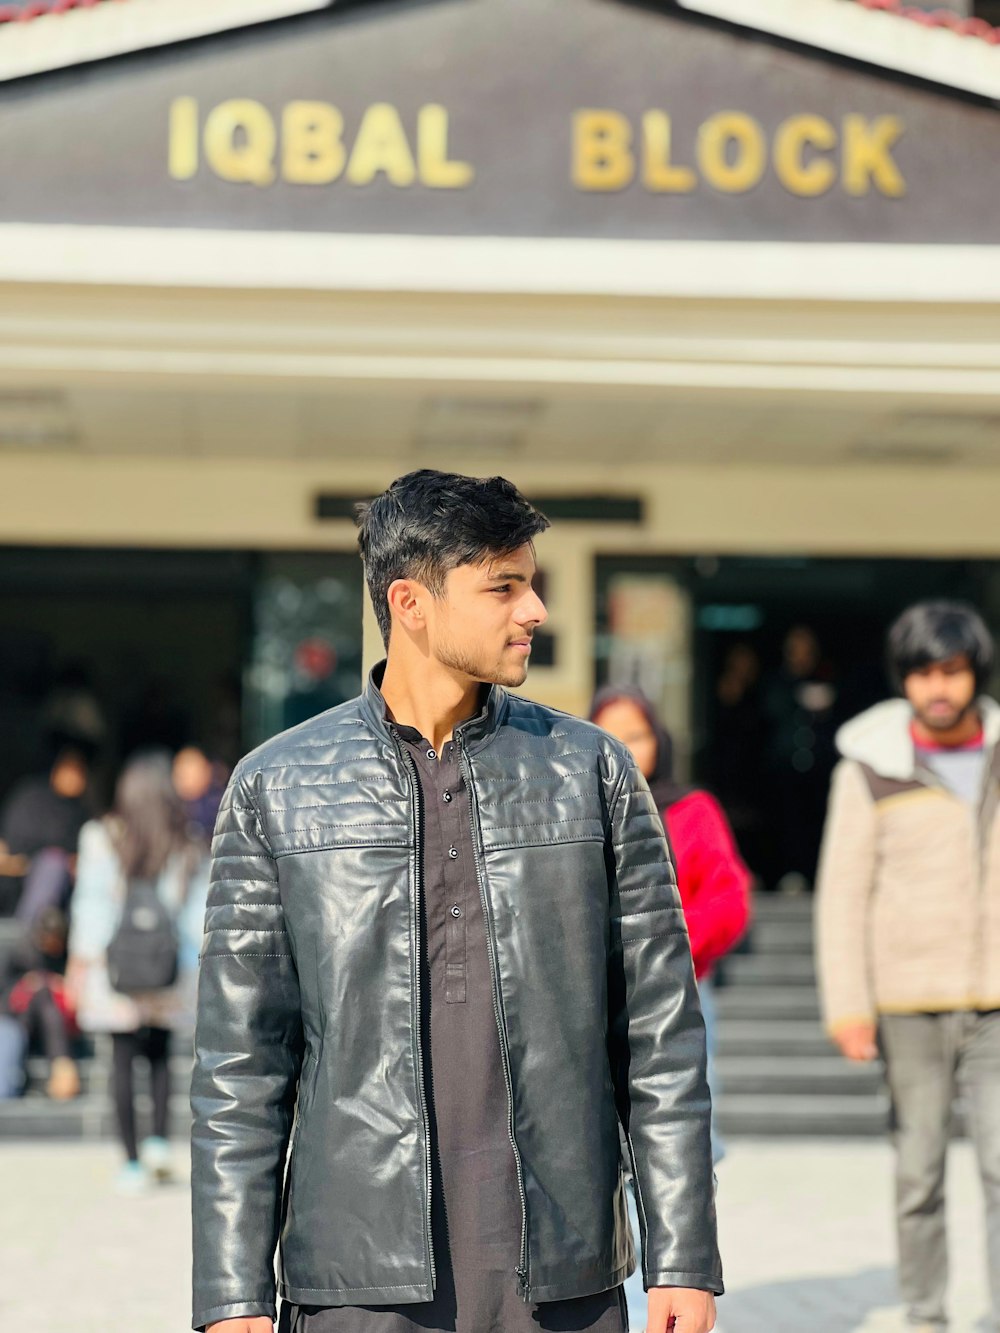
575,118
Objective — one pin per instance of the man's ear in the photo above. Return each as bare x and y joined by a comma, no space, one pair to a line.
406,598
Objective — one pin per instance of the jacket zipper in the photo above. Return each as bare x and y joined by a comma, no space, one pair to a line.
982,833
416,797
522,1269
979,837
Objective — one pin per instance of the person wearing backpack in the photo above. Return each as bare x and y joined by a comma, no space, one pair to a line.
137,916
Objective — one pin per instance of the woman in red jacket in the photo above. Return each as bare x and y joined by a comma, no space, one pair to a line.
713,881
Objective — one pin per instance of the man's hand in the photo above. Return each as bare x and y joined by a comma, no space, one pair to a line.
680,1308
245,1324
857,1042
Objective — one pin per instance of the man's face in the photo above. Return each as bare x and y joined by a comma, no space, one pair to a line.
192,773
481,626
941,693
68,777
801,651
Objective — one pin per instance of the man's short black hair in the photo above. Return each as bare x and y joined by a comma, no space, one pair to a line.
428,523
935,631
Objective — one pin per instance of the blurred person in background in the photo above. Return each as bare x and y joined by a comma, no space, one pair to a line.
799,702
40,825
736,756
136,924
713,881
73,708
200,784
909,924
153,718
35,1009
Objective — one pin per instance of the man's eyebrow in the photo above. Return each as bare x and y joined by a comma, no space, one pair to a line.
510,576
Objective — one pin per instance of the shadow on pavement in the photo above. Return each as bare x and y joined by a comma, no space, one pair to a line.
839,1303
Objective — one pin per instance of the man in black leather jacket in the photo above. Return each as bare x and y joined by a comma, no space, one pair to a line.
444,960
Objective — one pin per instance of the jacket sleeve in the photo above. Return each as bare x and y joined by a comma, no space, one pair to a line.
717,906
844,889
656,1038
248,1048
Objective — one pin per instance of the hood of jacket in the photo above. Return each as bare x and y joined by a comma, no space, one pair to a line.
880,737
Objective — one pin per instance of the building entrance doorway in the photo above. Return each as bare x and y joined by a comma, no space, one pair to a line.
756,661
136,648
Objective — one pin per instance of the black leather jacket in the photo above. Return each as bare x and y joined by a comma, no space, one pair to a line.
307,1046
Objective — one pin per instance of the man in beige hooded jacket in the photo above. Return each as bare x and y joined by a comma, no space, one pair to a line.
909,924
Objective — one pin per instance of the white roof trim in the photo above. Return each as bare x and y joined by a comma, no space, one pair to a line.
308,261
876,36
54,41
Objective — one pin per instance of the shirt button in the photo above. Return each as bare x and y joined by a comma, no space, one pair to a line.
432,754
453,853
447,796
456,911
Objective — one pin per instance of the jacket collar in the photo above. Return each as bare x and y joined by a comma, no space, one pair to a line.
476,732
881,737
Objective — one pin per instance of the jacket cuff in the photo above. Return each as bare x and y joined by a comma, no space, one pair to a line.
238,1309
669,1277
835,1025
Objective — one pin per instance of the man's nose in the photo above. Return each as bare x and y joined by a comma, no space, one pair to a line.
532,611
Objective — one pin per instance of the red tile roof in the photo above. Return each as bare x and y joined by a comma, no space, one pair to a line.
36,8
937,18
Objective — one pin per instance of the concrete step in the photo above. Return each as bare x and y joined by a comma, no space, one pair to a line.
745,1108
95,1073
740,1072
808,1076
782,937
768,970
803,1116
787,1038
87,1117
779,907
767,1002
772,1113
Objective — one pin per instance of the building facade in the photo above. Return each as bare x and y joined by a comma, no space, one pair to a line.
715,282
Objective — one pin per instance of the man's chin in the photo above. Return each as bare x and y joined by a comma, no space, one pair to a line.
940,721
510,677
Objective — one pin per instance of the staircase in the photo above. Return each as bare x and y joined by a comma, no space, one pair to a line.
778,1072
89,1116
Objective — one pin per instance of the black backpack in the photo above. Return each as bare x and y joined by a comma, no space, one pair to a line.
143,953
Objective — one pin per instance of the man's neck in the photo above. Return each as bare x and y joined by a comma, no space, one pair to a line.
963,733
428,697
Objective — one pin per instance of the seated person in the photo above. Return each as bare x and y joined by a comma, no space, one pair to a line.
43,814
33,996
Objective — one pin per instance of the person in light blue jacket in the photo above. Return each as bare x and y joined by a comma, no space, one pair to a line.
145,841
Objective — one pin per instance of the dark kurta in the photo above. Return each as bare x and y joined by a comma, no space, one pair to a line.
475,1202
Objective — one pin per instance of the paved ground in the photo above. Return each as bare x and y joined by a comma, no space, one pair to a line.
806,1237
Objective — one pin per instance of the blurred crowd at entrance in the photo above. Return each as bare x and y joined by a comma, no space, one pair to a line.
767,758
